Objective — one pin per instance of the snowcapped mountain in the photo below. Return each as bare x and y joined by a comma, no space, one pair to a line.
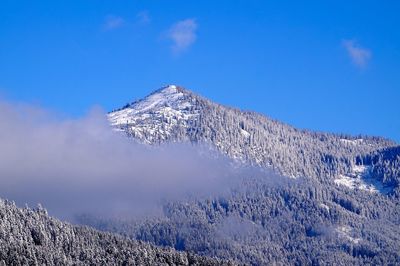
174,114
157,117
342,210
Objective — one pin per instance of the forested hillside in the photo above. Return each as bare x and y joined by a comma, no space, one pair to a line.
385,166
334,200
174,114
262,223
31,237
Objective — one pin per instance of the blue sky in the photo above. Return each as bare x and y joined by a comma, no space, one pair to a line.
323,65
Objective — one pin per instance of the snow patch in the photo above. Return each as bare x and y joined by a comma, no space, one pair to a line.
359,178
326,207
347,233
172,86
292,176
352,141
245,133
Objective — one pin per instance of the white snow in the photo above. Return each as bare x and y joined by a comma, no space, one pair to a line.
326,207
352,141
346,233
156,116
356,179
172,86
359,178
345,181
245,133
360,169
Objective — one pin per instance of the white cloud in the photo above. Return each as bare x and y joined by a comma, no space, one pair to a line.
143,17
183,35
359,56
82,166
113,22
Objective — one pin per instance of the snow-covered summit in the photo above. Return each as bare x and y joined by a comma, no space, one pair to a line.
168,95
158,115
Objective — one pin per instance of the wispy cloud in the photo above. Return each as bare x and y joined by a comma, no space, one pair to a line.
143,17
360,56
183,35
113,22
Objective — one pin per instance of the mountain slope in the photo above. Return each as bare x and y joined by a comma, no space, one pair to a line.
174,114
262,223
30,237
385,166
338,214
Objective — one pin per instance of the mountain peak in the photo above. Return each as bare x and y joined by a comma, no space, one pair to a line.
167,89
172,88
161,112
170,92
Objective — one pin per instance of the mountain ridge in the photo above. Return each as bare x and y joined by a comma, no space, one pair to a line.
189,93
175,114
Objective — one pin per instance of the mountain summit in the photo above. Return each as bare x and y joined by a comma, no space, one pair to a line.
159,116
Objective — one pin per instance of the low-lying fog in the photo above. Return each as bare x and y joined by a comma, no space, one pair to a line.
75,166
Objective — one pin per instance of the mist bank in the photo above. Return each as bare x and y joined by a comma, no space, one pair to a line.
75,166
